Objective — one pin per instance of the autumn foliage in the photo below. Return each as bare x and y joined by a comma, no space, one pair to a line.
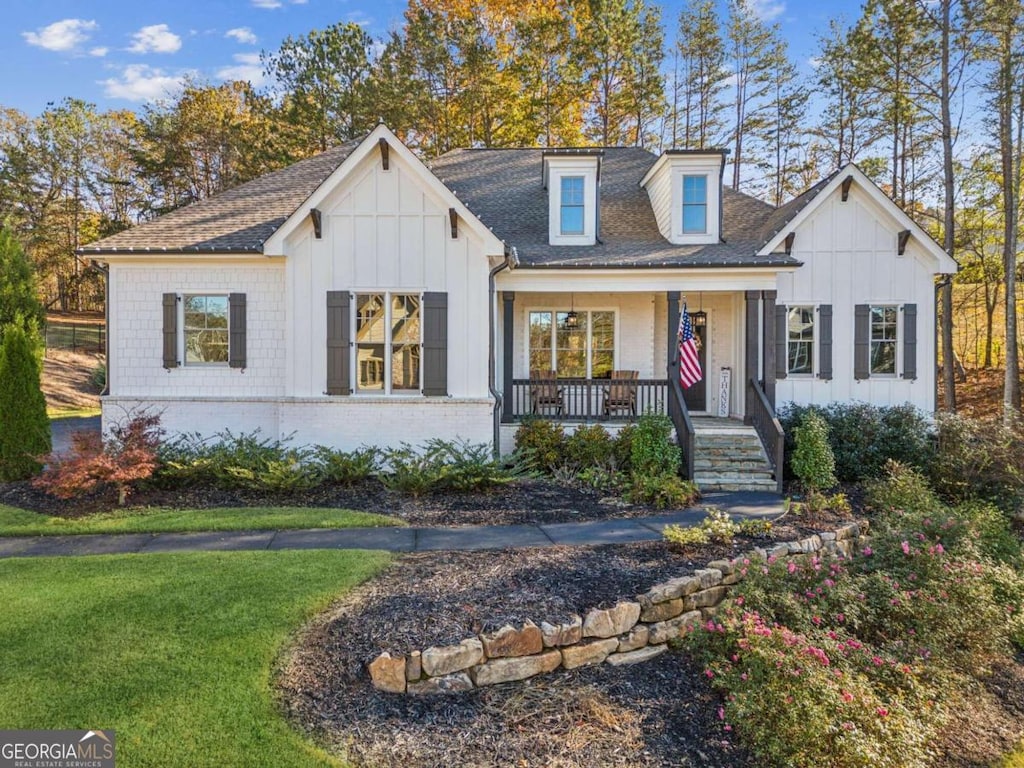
126,457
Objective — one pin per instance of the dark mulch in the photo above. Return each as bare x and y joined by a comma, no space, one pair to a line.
522,501
655,714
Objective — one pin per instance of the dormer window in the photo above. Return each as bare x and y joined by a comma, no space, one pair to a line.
572,178
572,206
695,204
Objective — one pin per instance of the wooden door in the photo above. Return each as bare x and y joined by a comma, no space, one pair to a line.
696,395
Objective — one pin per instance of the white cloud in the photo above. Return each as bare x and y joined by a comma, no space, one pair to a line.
243,35
766,10
99,51
247,67
64,35
267,4
156,38
141,82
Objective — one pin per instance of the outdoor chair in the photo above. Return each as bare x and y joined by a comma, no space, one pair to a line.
545,392
620,394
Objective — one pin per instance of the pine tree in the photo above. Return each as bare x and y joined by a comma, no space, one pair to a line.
24,426
18,298
702,76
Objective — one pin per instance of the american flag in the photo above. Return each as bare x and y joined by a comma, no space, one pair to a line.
689,360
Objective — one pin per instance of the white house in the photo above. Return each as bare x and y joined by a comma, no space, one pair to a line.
363,296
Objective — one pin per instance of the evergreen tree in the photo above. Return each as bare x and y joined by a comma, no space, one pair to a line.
24,426
702,78
19,301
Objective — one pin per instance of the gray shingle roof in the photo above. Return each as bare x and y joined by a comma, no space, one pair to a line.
503,187
236,221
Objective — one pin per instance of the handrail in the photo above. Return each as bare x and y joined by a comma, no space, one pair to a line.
768,428
686,435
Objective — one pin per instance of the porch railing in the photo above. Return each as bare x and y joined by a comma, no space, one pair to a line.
686,435
581,399
768,429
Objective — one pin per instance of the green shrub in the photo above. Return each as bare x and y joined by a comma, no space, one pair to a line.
443,465
24,426
601,479
98,377
292,474
234,461
622,452
19,299
716,526
755,527
589,446
902,489
863,437
662,491
979,459
541,444
409,471
812,460
683,536
346,467
652,452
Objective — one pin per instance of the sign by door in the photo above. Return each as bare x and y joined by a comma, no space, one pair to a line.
724,385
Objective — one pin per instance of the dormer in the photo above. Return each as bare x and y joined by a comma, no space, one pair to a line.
572,178
685,188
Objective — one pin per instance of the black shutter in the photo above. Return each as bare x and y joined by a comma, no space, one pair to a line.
170,330
825,342
435,344
861,341
910,341
236,330
781,339
339,334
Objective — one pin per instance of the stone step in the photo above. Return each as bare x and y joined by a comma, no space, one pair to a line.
722,445
750,485
722,462
740,454
734,475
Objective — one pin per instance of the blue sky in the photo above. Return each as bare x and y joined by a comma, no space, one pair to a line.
120,54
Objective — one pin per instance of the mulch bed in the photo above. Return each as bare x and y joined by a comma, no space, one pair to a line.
656,714
522,501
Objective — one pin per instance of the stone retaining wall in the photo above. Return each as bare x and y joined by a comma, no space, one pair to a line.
627,633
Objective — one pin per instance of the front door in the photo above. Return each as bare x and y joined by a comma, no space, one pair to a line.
696,396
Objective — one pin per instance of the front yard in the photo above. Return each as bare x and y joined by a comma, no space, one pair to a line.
174,652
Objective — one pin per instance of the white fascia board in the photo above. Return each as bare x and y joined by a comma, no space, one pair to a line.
644,280
944,263
152,256
274,245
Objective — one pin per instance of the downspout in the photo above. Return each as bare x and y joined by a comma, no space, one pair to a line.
510,262
721,198
939,286
105,271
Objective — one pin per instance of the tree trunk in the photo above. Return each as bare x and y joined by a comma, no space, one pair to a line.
949,181
1011,384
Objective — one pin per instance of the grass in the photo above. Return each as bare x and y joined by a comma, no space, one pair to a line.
1013,760
174,652
72,413
20,522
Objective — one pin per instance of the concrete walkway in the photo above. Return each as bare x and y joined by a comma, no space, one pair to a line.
619,531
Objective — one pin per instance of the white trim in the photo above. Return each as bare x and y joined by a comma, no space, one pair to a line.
554,323
815,325
944,263
386,392
898,341
646,280
275,244
556,168
182,351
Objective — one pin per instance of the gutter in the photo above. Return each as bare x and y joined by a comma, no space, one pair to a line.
510,262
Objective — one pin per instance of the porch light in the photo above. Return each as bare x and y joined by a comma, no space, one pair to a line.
700,319
572,320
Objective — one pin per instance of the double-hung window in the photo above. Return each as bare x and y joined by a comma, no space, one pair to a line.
205,329
884,334
800,340
695,204
571,219
388,343
581,349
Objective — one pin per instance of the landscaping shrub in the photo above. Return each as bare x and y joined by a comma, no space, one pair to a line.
662,491
19,299
589,446
443,465
717,526
226,460
292,474
845,662
652,452
540,444
601,479
126,458
24,426
979,459
863,437
813,462
622,451
903,489
347,468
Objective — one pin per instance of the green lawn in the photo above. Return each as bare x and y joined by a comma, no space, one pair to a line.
174,652
20,522
72,413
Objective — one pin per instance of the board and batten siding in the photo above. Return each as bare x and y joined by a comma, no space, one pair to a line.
850,256
384,231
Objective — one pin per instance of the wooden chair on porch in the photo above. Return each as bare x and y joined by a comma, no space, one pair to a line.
545,392
620,395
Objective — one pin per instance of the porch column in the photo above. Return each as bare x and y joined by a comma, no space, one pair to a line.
672,359
768,326
750,366
507,352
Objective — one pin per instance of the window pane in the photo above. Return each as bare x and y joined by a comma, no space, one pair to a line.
695,218
540,341
206,329
572,220
571,346
540,360
800,340
695,189
883,357
370,332
602,344
572,190
405,342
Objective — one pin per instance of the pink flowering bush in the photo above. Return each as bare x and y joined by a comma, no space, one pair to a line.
847,662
